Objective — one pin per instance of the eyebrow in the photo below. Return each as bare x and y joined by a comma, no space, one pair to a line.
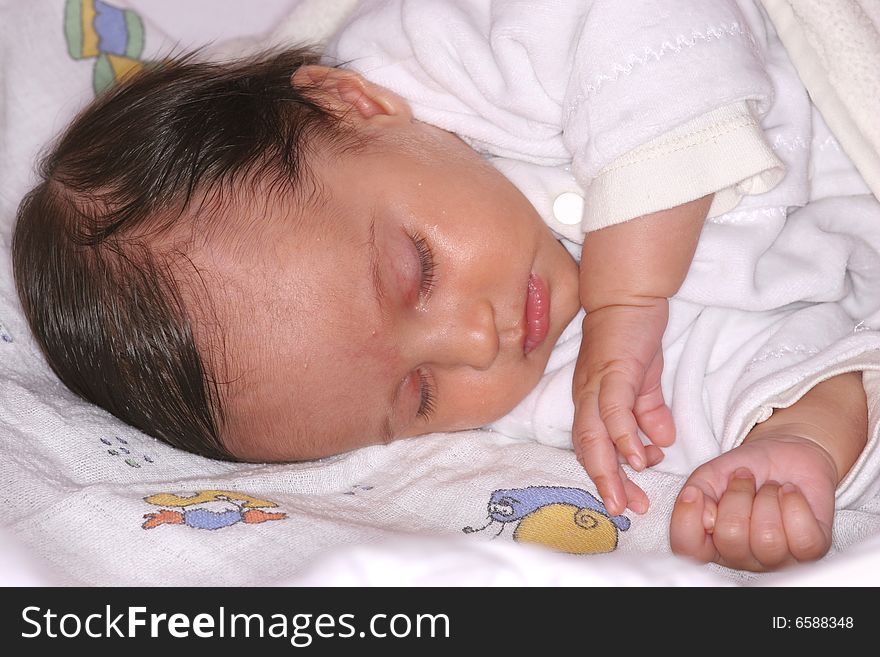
386,431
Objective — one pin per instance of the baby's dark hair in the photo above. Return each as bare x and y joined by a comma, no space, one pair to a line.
106,306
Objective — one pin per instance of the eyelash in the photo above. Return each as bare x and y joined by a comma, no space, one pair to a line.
428,396
426,263
428,271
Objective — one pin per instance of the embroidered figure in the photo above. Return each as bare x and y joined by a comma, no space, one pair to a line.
113,37
209,509
565,519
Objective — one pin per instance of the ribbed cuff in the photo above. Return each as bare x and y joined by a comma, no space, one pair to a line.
722,152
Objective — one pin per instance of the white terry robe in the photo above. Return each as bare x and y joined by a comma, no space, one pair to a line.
642,105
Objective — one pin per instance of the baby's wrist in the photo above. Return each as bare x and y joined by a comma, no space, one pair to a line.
832,415
594,302
812,437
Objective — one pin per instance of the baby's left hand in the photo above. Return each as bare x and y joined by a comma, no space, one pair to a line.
628,271
616,391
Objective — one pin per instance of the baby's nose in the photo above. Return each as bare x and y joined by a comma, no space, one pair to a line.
478,336
465,336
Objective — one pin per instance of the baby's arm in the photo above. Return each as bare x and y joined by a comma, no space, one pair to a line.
627,273
770,501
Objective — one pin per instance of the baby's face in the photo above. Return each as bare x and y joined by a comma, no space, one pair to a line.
418,291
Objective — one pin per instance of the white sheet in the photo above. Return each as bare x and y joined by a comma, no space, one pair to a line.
88,500
836,49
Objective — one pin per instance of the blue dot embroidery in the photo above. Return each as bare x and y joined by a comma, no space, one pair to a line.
116,450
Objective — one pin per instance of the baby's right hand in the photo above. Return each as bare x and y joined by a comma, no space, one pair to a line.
616,391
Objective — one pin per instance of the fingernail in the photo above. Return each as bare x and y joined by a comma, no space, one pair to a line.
613,506
636,462
788,488
708,519
743,473
689,495
639,507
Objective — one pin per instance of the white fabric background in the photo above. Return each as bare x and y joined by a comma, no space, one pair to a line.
74,505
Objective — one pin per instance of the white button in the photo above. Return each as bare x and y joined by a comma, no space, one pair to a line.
568,208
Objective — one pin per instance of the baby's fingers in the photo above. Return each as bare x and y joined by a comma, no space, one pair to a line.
768,542
808,539
597,454
651,411
635,496
653,454
617,398
732,528
690,530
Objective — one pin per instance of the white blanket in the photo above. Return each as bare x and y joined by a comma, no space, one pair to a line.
88,500
836,49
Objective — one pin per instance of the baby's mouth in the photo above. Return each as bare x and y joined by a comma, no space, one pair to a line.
537,313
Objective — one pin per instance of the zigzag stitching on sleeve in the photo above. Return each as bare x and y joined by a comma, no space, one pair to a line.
682,41
779,353
781,142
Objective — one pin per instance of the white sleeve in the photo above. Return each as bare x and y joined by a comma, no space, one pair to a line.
722,152
772,383
643,68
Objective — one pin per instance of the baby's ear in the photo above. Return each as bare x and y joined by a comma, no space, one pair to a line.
347,92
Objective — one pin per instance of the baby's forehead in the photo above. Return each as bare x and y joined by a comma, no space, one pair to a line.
281,281
290,401
234,232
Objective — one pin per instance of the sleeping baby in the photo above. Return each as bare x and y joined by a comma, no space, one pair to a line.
561,220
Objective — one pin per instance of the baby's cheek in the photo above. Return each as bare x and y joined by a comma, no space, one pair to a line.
472,403
484,399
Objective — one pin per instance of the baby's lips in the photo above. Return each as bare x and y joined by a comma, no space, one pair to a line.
537,313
